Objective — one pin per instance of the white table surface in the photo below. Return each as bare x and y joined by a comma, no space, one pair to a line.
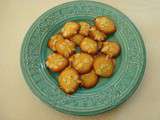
16,100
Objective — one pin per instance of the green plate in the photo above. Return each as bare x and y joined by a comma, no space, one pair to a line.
109,92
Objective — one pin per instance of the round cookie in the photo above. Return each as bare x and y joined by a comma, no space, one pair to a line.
53,40
104,66
88,45
56,62
70,29
89,80
77,39
105,24
65,47
82,62
69,80
96,34
84,28
111,49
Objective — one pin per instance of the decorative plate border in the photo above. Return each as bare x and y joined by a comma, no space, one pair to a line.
133,61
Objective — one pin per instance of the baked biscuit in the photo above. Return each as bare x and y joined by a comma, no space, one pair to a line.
88,45
53,40
56,62
84,28
69,80
82,62
104,66
65,47
105,24
111,49
70,29
77,39
96,34
89,80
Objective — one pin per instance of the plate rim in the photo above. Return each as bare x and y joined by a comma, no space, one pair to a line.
71,112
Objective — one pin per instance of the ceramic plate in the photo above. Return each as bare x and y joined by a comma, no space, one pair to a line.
109,92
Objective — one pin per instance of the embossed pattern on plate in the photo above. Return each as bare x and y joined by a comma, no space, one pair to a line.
110,92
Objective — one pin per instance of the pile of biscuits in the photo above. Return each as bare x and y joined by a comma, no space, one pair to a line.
82,53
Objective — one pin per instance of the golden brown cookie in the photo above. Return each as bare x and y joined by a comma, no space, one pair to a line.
56,62
88,45
65,47
70,29
96,34
69,80
111,49
104,66
89,80
82,62
77,39
105,24
53,40
84,28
